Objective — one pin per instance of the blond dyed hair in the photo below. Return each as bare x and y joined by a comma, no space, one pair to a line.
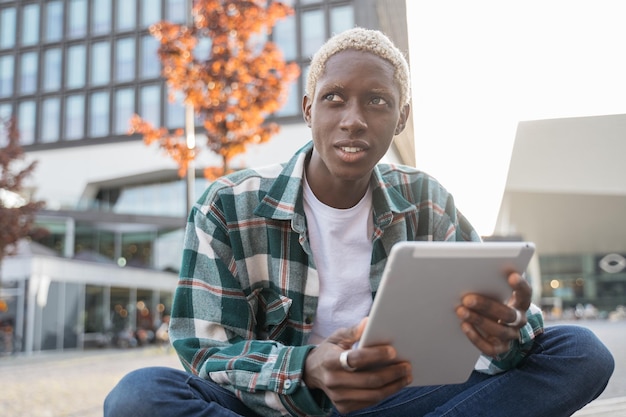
366,40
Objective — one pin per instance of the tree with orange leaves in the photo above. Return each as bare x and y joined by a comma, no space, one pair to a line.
233,89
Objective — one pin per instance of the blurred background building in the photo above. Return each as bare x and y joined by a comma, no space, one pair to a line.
74,72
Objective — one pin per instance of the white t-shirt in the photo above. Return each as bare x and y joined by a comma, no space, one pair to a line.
342,249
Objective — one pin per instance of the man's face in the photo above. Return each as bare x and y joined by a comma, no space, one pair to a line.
354,114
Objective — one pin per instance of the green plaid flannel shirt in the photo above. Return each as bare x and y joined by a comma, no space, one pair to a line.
247,294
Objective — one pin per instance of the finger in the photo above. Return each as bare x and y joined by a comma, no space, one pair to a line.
371,357
345,338
488,335
522,292
367,389
489,345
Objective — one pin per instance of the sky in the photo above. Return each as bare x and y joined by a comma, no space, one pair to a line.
480,67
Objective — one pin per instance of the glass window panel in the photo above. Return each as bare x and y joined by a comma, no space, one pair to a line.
26,117
5,113
50,119
30,24
151,104
176,112
150,64
124,108
77,22
101,17
52,69
202,50
54,20
72,312
99,114
7,71
75,117
341,19
95,312
7,28
126,14
177,11
150,12
51,334
125,59
76,59
100,63
28,73
284,33
313,33
292,105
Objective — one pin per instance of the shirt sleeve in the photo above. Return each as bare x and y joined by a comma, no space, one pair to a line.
215,332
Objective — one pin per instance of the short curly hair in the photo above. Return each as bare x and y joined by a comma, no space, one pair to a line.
367,40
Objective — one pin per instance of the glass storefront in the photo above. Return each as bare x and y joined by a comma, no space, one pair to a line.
589,284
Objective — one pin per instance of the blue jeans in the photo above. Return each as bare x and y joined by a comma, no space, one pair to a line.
567,368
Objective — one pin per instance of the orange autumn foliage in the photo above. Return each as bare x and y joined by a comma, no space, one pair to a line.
243,79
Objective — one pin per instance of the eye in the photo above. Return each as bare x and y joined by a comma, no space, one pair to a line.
333,97
379,101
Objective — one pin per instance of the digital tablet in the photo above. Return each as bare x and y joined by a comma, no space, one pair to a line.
421,286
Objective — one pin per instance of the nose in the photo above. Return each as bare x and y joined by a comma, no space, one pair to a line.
353,119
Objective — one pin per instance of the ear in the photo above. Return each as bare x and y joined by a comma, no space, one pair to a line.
404,116
306,110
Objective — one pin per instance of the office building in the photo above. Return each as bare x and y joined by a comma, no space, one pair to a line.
73,72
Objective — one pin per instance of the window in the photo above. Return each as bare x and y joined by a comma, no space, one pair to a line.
52,69
100,63
28,73
6,75
5,112
151,104
150,64
77,21
285,37
124,108
50,119
75,117
26,117
126,14
341,19
99,114
7,28
125,60
313,32
176,112
54,21
76,63
101,17
150,12
292,104
177,11
30,24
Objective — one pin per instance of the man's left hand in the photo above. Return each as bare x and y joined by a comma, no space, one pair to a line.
491,325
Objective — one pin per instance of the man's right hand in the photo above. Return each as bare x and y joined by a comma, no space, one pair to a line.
376,374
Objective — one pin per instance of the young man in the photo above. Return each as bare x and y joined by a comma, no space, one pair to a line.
281,265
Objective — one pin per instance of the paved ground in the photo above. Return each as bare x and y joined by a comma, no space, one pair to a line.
74,384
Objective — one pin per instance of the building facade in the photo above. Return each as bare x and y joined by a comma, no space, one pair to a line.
566,191
73,72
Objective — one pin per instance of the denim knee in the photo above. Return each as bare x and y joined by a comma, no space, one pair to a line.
137,393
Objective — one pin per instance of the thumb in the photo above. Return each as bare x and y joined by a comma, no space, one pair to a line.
345,338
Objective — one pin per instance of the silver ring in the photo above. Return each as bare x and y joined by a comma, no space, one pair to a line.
517,321
343,360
